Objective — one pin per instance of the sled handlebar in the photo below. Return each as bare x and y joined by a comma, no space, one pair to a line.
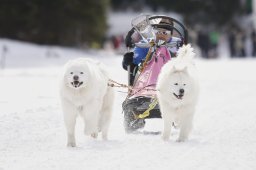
148,45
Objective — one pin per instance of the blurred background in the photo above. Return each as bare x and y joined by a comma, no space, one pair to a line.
216,27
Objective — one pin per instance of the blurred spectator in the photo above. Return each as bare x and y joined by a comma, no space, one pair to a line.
3,56
192,35
231,39
203,42
117,40
240,44
214,40
253,36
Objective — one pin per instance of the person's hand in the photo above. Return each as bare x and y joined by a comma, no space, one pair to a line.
179,44
127,59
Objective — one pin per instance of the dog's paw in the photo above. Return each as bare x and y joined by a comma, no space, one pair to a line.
181,140
71,144
104,136
94,135
89,130
165,137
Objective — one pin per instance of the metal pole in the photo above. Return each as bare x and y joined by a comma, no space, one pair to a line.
129,74
254,13
3,57
129,69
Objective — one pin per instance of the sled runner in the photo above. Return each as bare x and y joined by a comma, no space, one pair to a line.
141,102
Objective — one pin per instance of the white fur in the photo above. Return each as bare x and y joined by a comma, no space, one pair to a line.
179,73
92,100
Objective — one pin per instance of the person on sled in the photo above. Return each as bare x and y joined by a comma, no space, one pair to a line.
163,31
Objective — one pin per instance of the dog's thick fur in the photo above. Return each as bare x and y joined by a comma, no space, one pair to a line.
84,91
178,92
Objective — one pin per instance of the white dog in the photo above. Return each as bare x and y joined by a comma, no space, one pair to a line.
178,92
84,91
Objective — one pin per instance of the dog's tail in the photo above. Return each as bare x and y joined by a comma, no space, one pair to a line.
186,52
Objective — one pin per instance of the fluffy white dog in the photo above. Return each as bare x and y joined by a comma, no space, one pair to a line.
84,91
178,92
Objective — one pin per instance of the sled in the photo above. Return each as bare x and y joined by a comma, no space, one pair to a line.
141,102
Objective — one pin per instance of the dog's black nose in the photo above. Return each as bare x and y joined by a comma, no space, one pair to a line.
75,77
181,91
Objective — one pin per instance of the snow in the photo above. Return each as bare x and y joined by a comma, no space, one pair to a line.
32,133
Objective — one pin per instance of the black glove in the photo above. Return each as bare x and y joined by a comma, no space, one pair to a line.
179,44
127,60
128,39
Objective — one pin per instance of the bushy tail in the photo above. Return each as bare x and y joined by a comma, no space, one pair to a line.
186,52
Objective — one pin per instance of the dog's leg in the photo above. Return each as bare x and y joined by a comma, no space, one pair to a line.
104,123
167,129
106,113
70,121
185,127
70,126
91,120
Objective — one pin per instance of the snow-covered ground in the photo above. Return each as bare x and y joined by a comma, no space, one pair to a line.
32,133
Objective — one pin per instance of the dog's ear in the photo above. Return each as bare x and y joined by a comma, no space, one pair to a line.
180,69
185,69
174,69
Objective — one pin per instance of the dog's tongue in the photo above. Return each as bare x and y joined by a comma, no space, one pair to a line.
76,82
178,96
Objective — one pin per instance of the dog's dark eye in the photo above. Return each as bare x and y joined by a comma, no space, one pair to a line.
184,84
71,72
81,72
176,84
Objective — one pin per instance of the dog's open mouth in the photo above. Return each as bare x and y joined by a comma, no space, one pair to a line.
178,96
76,84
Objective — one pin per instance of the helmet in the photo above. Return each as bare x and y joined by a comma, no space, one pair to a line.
164,23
